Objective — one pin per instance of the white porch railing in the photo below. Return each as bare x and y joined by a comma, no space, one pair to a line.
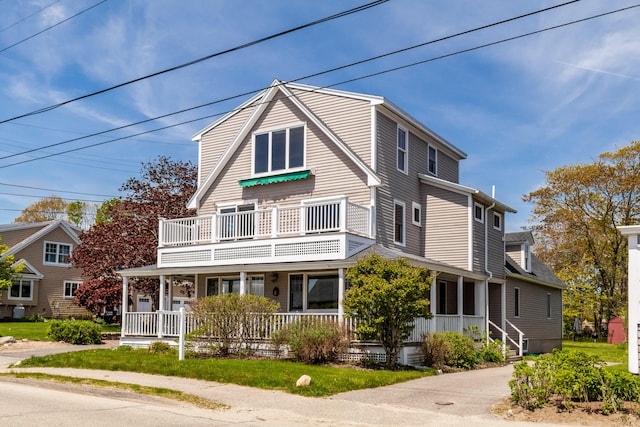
148,324
506,338
278,221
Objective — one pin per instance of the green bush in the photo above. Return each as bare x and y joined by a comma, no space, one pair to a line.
74,331
571,376
230,322
312,341
160,347
451,349
493,352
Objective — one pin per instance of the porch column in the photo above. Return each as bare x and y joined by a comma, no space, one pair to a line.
243,283
433,304
169,304
125,305
460,304
340,294
161,294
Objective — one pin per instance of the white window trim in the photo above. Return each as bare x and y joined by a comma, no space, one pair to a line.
64,288
404,222
9,297
416,206
517,297
435,171
227,205
405,169
287,169
58,244
481,219
499,216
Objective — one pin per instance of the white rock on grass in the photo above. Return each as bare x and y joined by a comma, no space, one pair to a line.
303,381
7,340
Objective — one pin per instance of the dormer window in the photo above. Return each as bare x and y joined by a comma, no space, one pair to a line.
278,150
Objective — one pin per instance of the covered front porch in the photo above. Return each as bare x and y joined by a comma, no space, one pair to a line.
304,290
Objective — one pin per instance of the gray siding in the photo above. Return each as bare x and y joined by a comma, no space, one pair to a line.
397,185
447,230
542,332
447,167
495,244
335,173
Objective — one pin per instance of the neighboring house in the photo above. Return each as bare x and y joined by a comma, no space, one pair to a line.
534,295
48,282
299,182
633,289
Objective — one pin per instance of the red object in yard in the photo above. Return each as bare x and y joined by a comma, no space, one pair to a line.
616,334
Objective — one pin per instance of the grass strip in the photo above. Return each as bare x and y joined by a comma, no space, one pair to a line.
135,388
260,373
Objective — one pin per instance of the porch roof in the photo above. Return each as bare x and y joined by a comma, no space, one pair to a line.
155,271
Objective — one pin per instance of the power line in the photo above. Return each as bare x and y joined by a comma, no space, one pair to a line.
360,62
44,197
29,16
204,58
52,26
332,85
56,191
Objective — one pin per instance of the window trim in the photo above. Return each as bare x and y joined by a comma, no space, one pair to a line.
516,302
404,222
549,313
475,217
416,207
287,168
305,290
58,245
64,288
431,148
497,216
21,298
404,150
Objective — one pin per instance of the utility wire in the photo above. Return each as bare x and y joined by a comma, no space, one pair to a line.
52,26
28,16
196,61
343,82
44,197
352,64
55,191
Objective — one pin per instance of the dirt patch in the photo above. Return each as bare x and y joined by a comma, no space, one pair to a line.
24,345
583,414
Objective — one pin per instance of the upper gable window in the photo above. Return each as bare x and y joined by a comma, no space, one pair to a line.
278,150
57,253
497,221
433,160
478,212
403,150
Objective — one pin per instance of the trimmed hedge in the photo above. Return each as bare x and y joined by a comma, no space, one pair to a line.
75,331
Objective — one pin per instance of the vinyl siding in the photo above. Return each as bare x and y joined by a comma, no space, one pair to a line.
13,237
496,258
447,231
335,173
49,291
447,167
214,142
543,333
349,119
396,185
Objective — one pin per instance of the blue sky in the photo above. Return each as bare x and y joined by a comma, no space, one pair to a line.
517,108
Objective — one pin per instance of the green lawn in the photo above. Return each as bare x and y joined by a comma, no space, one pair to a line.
261,373
611,353
36,331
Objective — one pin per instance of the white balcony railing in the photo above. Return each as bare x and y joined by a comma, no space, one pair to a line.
278,221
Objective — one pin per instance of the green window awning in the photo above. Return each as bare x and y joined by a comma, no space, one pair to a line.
272,179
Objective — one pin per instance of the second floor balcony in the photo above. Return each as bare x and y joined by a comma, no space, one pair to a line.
311,230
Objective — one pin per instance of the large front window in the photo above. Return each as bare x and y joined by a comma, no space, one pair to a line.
21,289
313,292
57,253
278,150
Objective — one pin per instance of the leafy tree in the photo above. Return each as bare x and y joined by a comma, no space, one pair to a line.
75,212
128,238
576,214
386,296
8,272
46,209
103,212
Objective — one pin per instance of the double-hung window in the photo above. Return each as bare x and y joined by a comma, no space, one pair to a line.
57,253
433,160
278,150
403,150
398,222
70,289
21,289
